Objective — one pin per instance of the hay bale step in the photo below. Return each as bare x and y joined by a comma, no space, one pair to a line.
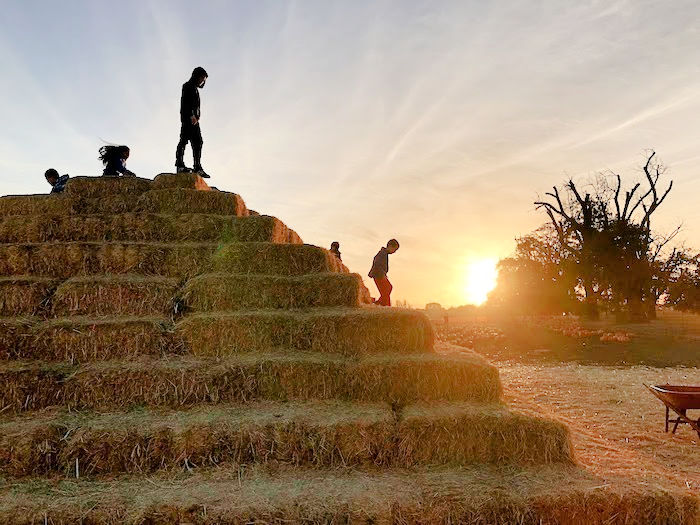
347,331
91,187
183,382
79,339
225,291
35,205
144,227
328,434
111,295
24,295
172,201
479,494
189,181
275,259
69,259
180,200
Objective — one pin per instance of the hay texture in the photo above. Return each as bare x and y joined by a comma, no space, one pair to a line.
308,434
112,385
36,205
188,181
224,291
144,227
177,201
69,259
275,259
78,339
15,336
347,331
115,295
87,199
481,495
24,296
98,187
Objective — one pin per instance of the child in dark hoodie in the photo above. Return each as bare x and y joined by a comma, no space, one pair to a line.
379,271
114,160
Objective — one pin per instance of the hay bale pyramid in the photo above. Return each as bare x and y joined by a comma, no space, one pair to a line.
169,356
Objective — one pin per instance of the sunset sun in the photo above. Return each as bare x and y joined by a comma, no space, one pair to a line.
480,280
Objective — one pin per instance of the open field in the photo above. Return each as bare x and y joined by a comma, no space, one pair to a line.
672,340
596,388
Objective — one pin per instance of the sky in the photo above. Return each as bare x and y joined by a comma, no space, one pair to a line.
434,122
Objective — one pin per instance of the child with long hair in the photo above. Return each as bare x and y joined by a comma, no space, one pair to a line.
114,160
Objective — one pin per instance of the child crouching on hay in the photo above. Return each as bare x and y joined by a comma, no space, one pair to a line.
114,160
58,183
380,268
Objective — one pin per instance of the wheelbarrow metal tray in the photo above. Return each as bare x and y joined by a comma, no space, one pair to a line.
680,397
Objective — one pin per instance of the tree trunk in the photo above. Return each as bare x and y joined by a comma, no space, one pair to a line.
590,306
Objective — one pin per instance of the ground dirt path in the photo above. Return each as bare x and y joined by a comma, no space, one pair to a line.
617,426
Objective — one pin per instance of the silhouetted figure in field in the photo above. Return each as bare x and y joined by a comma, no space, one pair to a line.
379,271
58,183
189,120
335,250
114,160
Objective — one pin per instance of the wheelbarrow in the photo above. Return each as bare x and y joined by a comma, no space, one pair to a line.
679,399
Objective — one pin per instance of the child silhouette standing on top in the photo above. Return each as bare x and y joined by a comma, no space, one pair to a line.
189,120
114,160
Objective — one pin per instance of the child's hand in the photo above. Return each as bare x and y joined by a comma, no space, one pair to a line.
194,120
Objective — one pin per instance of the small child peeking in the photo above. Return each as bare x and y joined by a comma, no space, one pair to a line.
335,250
58,182
114,160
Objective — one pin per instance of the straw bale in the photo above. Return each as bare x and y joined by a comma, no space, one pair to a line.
225,291
173,260
79,339
313,434
59,260
23,295
91,187
190,181
115,295
461,433
192,201
276,259
140,227
294,238
68,259
15,336
477,495
35,205
185,382
347,331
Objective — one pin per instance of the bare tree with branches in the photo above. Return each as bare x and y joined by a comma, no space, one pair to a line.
609,232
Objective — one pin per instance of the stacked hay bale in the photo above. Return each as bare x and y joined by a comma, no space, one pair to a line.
169,357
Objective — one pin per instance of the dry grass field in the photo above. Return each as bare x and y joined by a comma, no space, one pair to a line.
562,369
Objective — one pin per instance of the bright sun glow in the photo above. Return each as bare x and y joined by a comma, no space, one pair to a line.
480,280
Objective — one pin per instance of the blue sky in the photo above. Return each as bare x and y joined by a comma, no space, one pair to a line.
433,122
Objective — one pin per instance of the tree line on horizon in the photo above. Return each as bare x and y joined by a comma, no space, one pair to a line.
598,252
